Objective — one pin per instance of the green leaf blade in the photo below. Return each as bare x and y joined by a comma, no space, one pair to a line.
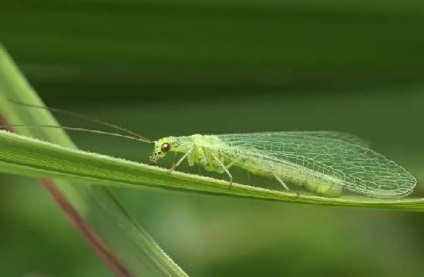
124,246
36,158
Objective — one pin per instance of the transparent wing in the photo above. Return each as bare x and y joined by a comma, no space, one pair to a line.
334,154
329,135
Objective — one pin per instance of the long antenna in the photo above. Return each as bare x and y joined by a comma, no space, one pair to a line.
74,114
97,132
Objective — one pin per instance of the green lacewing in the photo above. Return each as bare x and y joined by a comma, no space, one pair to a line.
323,162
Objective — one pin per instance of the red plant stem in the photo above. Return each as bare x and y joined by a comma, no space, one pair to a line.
108,258
88,234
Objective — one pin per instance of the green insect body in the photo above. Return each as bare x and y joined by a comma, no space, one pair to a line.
325,163
198,150
322,185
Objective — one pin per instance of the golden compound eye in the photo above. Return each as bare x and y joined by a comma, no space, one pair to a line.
165,147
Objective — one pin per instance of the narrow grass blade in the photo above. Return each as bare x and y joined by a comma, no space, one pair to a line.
121,243
26,156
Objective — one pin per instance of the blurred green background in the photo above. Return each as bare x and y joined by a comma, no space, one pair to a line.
182,67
